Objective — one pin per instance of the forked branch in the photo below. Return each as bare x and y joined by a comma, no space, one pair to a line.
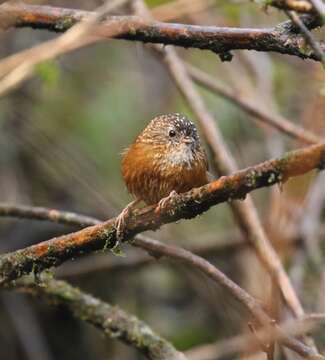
184,206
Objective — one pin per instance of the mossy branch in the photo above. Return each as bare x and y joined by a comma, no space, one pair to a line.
184,206
281,38
111,320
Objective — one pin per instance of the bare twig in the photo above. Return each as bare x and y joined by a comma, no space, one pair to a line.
244,212
158,249
98,262
276,121
18,67
113,321
217,39
248,342
40,213
55,251
319,6
251,304
301,6
317,48
135,260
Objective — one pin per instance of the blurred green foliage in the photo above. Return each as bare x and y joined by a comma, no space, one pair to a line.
49,73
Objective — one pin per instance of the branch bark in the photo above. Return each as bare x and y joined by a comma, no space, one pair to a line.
221,40
301,6
184,206
63,293
111,320
251,342
126,326
41,213
318,51
265,116
245,213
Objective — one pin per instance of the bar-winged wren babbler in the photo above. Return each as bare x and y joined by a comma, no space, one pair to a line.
166,158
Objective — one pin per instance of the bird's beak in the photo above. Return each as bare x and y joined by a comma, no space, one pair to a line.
187,140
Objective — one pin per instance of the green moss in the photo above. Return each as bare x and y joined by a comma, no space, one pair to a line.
282,163
64,24
108,236
305,49
65,294
251,179
51,250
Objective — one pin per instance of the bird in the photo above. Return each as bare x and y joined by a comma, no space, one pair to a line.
165,159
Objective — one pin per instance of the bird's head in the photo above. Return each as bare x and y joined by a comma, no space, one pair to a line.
174,137
173,130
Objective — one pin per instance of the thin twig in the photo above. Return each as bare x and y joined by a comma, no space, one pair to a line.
113,321
248,342
276,121
317,48
134,260
183,206
220,40
18,67
41,213
244,212
251,304
158,249
301,6
319,6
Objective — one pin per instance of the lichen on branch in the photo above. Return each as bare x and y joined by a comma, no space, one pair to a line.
111,320
183,206
220,40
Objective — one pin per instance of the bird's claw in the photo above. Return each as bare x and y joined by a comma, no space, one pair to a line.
120,222
162,203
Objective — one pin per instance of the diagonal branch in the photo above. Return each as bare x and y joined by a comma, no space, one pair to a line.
301,6
318,51
113,321
250,303
251,342
263,115
220,40
63,293
184,206
18,67
319,6
245,213
41,213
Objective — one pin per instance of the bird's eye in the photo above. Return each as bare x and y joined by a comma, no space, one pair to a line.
172,133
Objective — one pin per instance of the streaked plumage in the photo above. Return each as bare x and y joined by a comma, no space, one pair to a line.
167,156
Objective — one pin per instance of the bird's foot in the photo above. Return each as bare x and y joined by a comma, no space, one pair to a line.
162,203
121,220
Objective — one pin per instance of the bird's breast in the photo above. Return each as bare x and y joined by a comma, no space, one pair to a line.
183,156
152,173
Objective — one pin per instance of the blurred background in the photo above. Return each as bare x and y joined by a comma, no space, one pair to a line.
61,137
